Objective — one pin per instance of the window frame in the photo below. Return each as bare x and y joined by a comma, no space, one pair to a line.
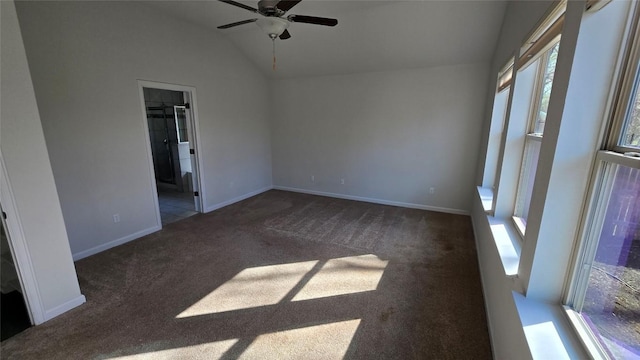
594,219
597,197
499,197
625,91
177,121
505,75
601,183
541,60
504,86
523,183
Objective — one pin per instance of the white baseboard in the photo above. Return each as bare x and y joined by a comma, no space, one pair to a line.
375,201
236,199
62,308
94,250
85,253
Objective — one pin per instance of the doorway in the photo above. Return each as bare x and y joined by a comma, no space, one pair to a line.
14,316
170,122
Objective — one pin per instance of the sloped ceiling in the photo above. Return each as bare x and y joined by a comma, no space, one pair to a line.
370,35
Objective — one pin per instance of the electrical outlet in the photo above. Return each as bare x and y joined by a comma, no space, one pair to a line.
432,190
342,181
313,178
116,218
232,184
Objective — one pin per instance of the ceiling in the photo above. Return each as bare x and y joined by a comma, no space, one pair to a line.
370,35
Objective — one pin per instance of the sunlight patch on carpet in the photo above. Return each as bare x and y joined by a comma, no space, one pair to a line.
347,275
212,350
327,341
252,287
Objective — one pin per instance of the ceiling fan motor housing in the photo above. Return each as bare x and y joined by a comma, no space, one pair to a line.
269,8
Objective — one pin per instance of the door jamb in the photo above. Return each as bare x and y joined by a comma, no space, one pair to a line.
19,250
192,98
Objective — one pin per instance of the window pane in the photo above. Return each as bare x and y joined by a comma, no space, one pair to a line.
527,176
181,124
495,136
631,133
547,82
612,301
505,76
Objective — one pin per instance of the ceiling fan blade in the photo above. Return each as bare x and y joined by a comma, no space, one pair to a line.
246,7
313,20
286,5
285,35
237,23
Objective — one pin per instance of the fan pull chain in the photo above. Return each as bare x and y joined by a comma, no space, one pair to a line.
273,39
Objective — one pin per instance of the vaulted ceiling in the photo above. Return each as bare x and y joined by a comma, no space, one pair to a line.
370,35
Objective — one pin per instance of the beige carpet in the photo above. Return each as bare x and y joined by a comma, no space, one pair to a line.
278,276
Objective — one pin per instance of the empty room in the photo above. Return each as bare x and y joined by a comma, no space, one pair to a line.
320,179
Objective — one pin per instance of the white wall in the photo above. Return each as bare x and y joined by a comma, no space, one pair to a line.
390,135
28,194
85,59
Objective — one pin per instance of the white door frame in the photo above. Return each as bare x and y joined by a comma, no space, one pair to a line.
194,140
19,250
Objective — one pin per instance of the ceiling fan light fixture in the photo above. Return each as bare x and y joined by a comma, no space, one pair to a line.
273,26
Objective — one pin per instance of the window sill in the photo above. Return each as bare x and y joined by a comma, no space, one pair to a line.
590,341
504,234
584,334
520,226
543,326
547,331
506,240
486,198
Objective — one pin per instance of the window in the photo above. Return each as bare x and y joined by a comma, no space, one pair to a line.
537,118
181,123
606,287
631,133
505,76
611,304
497,126
518,117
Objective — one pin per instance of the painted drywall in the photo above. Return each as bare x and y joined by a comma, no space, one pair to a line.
30,189
85,60
371,35
390,135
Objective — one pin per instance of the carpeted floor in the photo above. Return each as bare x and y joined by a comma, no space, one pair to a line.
280,275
